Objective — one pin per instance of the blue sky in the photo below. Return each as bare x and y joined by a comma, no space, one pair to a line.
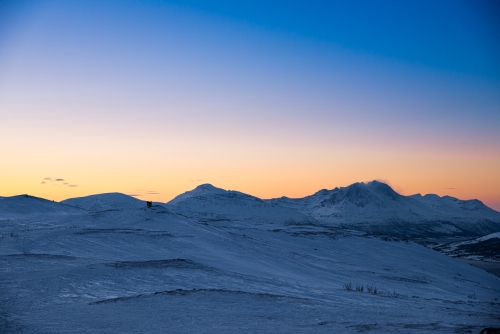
257,86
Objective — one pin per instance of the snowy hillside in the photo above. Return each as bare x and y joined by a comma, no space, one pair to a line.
222,261
208,203
25,205
103,202
486,248
151,271
376,207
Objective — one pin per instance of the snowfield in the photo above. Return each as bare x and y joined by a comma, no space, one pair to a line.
225,262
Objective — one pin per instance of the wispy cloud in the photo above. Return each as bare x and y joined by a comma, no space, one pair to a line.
450,188
139,192
57,182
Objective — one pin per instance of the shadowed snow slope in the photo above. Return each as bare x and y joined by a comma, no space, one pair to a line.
209,203
375,207
151,271
21,205
486,248
103,202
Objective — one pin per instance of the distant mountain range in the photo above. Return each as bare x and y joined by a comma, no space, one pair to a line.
372,207
376,207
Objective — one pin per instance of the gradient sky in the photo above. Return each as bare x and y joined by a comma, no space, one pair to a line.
277,98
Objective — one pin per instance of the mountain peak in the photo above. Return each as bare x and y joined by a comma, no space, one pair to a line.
207,187
201,190
105,201
382,188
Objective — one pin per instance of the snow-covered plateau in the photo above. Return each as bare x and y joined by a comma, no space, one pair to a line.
217,261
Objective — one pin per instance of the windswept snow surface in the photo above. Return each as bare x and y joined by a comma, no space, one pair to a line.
151,270
103,202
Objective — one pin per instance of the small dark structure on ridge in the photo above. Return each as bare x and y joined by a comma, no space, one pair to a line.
149,204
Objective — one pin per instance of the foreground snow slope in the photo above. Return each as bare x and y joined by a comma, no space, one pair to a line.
148,270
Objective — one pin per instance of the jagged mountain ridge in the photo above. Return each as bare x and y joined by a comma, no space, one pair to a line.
376,207
378,201
374,201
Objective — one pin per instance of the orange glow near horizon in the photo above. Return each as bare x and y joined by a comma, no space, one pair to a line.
185,96
152,171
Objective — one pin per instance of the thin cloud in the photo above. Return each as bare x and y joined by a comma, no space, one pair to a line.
138,192
57,182
152,192
450,188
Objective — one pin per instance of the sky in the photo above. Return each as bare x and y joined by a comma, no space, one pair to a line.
270,98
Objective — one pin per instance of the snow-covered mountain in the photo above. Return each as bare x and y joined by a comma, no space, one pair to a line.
26,205
370,202
208,203
485,248
376,207
454,207
107,201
